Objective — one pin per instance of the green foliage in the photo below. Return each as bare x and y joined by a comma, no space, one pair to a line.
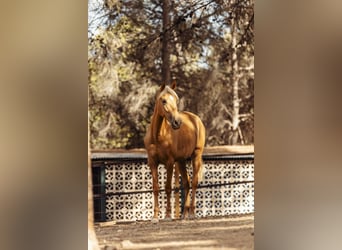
125,68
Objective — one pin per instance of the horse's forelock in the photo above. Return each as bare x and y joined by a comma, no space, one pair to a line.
167,89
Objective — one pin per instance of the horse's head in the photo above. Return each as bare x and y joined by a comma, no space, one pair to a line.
167,102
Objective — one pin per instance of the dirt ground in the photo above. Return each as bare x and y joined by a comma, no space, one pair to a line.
229,232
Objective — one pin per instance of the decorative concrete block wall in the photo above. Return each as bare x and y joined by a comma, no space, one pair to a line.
227,187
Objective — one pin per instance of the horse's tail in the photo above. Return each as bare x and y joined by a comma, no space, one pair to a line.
200,145
200,171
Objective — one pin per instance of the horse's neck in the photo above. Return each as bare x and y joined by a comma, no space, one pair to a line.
157,121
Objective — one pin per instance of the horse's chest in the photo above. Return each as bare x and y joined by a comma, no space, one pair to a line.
164,146
176,144
180,147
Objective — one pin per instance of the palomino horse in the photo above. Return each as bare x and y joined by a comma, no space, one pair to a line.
172,138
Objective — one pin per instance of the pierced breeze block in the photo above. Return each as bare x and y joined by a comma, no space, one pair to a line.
227,187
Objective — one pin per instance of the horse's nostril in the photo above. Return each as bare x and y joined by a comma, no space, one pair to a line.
177,123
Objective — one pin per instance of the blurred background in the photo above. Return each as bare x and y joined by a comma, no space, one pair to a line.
206,46
44,113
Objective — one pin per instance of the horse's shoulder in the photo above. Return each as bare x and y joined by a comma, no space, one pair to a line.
188,113
191,116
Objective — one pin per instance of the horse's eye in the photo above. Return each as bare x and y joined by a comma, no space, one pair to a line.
164,102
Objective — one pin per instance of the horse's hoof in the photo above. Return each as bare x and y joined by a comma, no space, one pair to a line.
155,220
184,217
188,217
167,219
191,217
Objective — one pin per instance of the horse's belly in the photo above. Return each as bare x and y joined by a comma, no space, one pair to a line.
184,148
172,152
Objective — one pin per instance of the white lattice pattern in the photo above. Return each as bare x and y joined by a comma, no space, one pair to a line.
129,190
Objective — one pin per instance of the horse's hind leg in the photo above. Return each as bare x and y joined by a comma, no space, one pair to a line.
169,172
177,190
186,186
196,176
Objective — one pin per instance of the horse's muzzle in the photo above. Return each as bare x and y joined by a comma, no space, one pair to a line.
176,123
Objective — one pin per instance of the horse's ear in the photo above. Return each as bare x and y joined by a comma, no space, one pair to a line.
173,85
162,87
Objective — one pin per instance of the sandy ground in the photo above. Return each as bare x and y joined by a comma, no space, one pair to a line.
229,232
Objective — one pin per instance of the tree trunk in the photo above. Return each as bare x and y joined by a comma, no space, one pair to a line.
166,76
234,136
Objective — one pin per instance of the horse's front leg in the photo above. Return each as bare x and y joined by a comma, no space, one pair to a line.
154,172
169,172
